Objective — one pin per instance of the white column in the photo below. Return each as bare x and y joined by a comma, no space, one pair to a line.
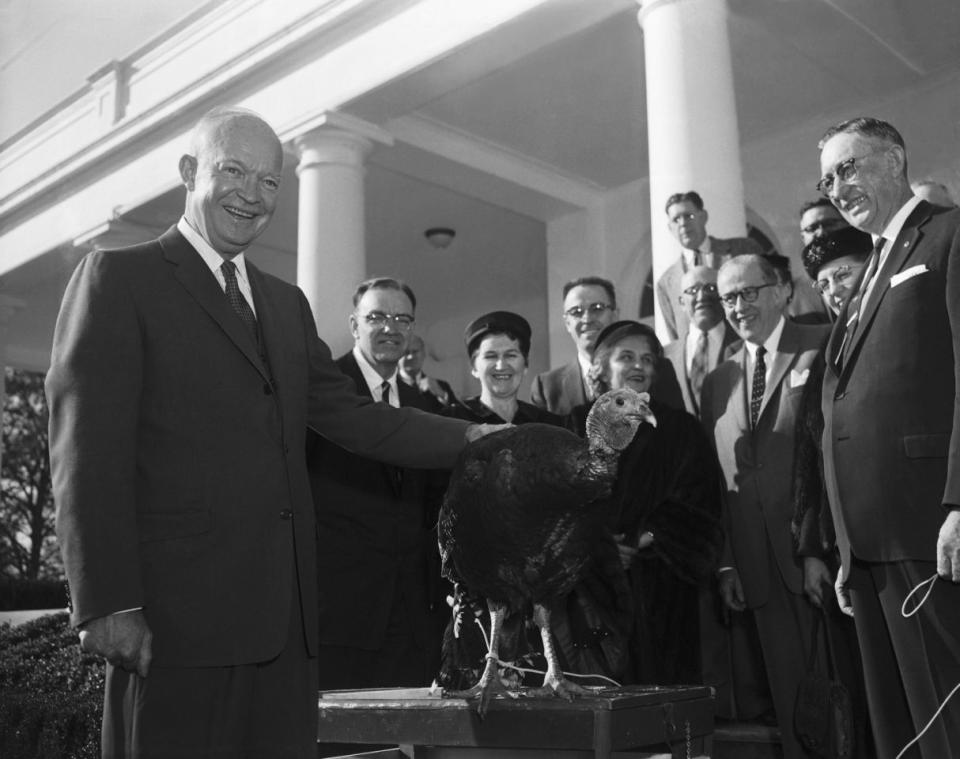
331,254
694,141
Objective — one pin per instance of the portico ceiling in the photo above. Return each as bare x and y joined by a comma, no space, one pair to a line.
564,94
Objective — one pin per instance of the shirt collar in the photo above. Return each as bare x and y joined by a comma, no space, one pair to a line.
372,376
687,254
770,343
714,335
210,257
893,228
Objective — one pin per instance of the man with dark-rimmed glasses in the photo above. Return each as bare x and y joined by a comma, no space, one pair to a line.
749,407
891,442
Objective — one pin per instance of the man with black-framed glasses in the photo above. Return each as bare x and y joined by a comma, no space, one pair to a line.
589,305
891,441
749,408
381,606
709,340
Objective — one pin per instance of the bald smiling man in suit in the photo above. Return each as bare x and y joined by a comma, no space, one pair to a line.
181,386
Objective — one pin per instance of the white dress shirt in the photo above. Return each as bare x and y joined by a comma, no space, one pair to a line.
375,381
213,259
770,344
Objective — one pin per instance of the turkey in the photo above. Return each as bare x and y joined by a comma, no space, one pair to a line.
519,518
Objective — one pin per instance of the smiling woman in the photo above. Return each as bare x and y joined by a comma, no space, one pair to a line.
666,511
498,344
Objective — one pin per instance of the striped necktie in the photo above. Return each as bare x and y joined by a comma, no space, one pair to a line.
699,365
759,386
856,304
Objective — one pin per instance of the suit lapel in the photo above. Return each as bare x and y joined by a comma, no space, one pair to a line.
903,246
200,283
573,384
783,359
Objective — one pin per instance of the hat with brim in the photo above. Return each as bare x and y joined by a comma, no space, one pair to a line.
498,323
848,241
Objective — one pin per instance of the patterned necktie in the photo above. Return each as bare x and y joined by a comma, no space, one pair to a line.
856,303
385,392
759,385
699,365
239,303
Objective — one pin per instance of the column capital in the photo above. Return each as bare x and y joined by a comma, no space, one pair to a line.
336,138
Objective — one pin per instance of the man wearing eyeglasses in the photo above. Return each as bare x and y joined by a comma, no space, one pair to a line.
381,609
749,407
709,339
891,442
589,305
687,221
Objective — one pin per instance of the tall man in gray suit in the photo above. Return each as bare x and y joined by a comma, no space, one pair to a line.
749,406
891,441
181,385
687,220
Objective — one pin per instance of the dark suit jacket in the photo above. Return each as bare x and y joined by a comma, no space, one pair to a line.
668,286
891,441
757,464
559,390
676,354
178,466
375,535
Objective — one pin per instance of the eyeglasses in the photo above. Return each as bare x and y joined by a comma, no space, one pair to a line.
690,216
838,277
401,322
594,309
708,289
845,171
749,294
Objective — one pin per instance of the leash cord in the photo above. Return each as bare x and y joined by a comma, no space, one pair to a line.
511,665
907,614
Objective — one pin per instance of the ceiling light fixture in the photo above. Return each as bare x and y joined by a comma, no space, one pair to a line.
440,237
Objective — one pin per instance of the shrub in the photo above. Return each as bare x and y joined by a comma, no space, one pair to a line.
17,594
51,693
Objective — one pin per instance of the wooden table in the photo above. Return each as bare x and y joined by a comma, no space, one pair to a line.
632,721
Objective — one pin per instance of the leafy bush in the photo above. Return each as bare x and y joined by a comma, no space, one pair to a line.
51,693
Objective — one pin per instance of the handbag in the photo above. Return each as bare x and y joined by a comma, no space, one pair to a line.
823,714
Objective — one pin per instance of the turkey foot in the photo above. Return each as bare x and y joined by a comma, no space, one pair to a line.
489,683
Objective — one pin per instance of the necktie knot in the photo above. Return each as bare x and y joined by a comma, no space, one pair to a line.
385,392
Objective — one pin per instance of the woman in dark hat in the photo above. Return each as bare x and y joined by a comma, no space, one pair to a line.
665,511
498,345
834,263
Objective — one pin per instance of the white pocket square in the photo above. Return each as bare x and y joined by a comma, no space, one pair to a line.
906,274
798,378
